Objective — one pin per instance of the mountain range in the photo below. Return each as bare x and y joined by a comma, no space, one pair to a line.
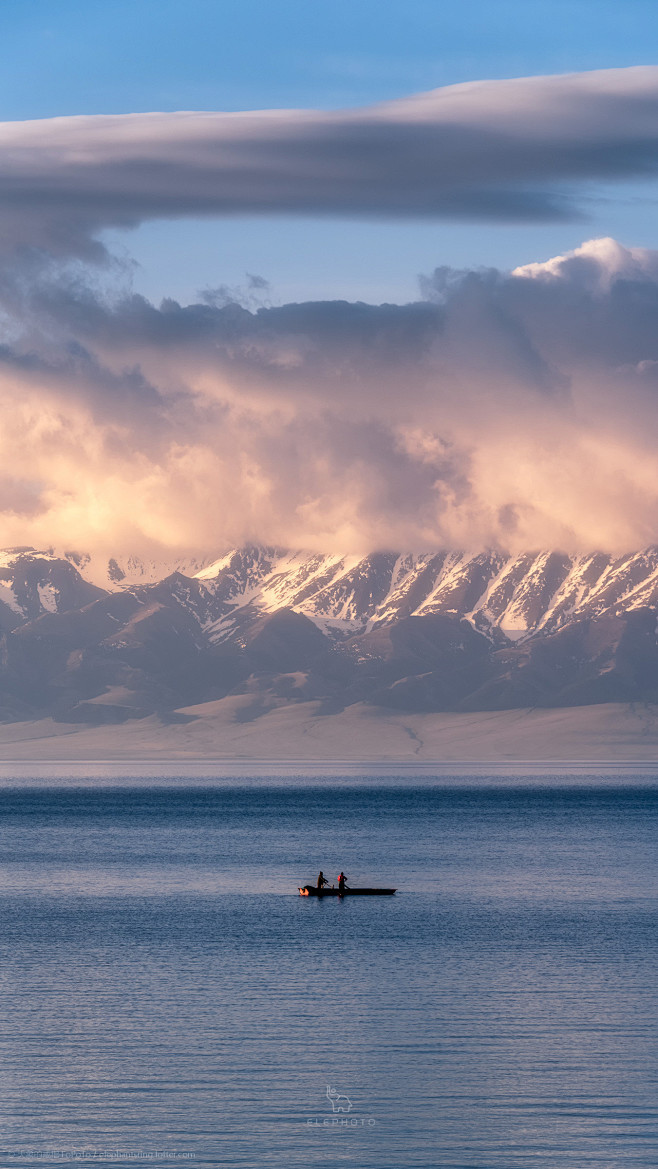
95,640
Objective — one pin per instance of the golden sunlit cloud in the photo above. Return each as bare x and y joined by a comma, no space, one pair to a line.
509,410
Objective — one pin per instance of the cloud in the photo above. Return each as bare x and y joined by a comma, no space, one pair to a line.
495,150
503,409
514,410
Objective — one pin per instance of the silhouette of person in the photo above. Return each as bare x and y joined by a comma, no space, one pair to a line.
341,882
322,880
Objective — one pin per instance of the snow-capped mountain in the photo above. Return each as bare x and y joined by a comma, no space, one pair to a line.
33,583
95,639
515,596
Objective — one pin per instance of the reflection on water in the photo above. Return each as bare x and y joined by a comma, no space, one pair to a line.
166,995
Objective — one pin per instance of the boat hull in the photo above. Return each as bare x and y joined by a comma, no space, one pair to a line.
312,891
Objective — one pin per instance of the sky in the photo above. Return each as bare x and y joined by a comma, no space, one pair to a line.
120,57
348,276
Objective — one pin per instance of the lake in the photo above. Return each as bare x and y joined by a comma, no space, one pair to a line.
168,997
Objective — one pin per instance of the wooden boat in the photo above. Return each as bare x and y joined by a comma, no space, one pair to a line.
312,891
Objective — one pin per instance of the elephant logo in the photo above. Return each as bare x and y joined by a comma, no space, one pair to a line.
338,1103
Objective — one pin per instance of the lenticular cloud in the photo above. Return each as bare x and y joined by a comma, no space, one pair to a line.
514,150
514,410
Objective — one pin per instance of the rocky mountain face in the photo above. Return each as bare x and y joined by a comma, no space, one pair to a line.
86,640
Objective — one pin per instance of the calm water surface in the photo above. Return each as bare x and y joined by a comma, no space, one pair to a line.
168,998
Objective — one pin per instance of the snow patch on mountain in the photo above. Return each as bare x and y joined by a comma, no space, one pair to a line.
126,572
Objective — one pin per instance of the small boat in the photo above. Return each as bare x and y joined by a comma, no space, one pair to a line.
313,891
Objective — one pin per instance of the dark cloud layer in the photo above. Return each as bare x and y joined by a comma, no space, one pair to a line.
496,150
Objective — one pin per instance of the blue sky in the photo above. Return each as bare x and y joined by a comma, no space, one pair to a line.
88,58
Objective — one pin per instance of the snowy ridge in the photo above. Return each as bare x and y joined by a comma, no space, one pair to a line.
516,596
509,598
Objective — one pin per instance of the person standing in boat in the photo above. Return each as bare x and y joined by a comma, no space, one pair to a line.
322,881
341,882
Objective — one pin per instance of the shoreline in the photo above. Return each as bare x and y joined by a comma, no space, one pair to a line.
297,735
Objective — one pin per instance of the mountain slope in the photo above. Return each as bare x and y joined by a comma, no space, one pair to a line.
425,632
